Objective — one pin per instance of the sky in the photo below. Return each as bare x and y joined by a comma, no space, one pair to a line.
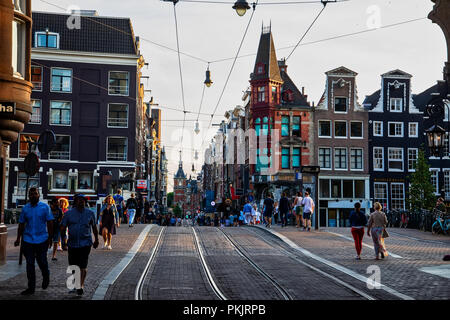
212,32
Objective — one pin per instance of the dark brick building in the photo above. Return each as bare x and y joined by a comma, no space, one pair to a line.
87,91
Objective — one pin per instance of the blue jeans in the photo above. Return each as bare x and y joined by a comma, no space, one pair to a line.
131,214
31,252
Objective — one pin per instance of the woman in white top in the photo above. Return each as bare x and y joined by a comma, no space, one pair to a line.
257,216
298,209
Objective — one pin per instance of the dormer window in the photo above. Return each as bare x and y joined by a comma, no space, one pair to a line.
45,39
260,68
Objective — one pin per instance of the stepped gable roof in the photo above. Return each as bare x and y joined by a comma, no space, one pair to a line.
267,56
97,34
371,101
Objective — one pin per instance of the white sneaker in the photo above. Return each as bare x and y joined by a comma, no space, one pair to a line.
109,247
104,246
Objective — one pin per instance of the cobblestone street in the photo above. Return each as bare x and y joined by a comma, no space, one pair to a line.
314,265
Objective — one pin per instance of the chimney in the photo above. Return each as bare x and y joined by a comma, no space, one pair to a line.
303,91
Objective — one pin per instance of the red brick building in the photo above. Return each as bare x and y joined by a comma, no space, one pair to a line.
281,117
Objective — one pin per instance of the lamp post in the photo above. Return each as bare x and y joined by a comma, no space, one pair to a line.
241,7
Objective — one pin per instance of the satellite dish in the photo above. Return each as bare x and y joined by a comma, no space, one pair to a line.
46,141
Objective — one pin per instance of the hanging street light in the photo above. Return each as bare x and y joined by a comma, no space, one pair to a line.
241,7
197,128
208,81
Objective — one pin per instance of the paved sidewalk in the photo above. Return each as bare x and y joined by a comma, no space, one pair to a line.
415,250
100,263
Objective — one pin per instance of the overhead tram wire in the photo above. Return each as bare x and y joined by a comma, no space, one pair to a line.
307,30
261,3
232,67
127,33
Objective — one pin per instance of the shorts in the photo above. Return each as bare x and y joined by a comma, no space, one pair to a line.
307,215
298,210
79,256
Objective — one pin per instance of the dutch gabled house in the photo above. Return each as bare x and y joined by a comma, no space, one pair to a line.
87,91
341,146
278,111
395,136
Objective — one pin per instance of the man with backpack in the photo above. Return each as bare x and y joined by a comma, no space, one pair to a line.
284,208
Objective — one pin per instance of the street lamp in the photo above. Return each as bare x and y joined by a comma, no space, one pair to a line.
241,7
435,138
436,134
208,81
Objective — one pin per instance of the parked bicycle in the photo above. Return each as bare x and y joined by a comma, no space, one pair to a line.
441,224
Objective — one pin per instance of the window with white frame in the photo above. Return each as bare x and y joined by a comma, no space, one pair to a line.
61,80
413,129
119,83
118,115
395,159
380,193
398,196
61,150
117,149
85,181
60,180
18,62
23,144
325,158
356,159
324,129
447,183
435,180
340,158
396,105
413,154
395,129
378,128
356,129
60,113
36,115
22,181
340,104
378,159
340,129
45,39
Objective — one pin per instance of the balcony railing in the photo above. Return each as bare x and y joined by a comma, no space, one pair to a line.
114,156
118,122
119,90
35,118
37,85
59,155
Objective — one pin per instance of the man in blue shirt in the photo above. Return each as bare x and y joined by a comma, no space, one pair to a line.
118,199
36,230
79,220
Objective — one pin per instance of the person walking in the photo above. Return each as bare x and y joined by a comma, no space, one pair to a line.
139,209
79,221
120,205
247,212
108,222
357,221
131,209
258,216
36,231
298,209
57,217
284,208
376,225
64,205
268,210
308,210
147,212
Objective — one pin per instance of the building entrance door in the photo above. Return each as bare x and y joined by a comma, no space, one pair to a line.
332,217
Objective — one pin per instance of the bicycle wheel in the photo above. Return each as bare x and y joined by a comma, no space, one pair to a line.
436,228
